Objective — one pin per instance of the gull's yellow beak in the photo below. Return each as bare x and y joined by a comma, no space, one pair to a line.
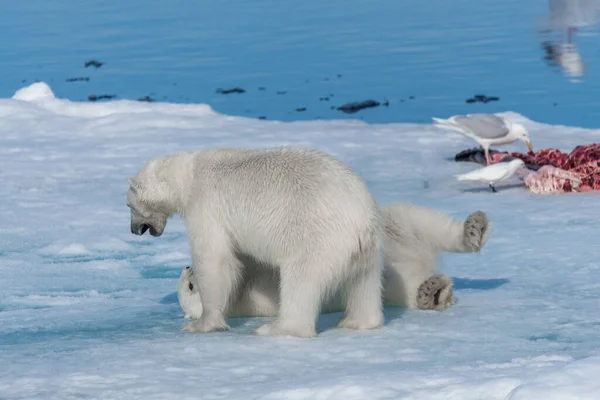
529,147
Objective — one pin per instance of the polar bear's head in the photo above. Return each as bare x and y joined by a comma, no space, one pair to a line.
188,294
149,199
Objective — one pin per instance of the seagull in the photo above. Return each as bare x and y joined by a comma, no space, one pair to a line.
487,130
493,173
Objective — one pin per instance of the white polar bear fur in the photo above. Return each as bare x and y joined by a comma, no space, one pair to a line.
293,209
414,238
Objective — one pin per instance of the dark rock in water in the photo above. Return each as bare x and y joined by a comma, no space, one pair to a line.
323,98
301,109
146,99
262,88
262,117
386,103
282,92
411,97
351,108
93,97
233,90
93,63
79,79
482,98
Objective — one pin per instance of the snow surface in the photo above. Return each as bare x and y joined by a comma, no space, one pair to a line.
88,310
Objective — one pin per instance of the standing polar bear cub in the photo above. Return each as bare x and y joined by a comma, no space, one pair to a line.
414,238
298,211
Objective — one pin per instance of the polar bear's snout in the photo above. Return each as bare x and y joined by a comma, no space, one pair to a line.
152,222
140,229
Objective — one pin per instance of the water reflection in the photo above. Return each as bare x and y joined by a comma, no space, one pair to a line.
564,19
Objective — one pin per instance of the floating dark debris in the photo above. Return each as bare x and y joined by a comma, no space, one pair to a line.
339,75
386,103
93,63
93,97
229,91
262,117
323,98
482,98
262,88
78,79
301,109
411,97
351,108
282,92
147,99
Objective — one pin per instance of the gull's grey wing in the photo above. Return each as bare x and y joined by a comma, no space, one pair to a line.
486,126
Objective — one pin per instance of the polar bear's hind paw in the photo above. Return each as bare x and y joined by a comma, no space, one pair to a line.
475,231
435,293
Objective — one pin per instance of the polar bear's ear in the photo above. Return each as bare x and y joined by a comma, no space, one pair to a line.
135,185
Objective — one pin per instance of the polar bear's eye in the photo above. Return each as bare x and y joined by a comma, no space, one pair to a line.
191,286
135,211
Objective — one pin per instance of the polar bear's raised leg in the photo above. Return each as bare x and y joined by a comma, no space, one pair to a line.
216,270
415,236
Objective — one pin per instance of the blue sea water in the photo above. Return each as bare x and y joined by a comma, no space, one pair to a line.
438,52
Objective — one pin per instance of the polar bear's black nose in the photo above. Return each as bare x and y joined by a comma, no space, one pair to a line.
188,267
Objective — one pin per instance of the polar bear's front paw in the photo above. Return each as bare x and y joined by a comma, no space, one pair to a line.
475,231
278,328
435,293
207,324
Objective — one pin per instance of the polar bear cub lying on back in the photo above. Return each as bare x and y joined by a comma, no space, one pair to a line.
414,237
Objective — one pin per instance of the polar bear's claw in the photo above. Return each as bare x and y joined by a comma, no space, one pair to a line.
435,293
